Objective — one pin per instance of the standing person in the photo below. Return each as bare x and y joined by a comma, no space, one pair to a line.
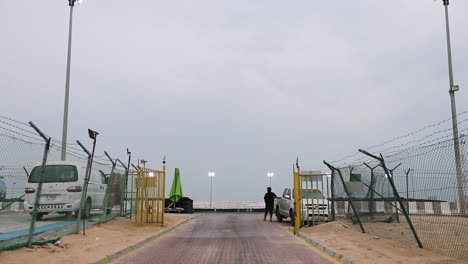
269,202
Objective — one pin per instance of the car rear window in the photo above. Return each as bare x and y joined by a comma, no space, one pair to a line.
54,173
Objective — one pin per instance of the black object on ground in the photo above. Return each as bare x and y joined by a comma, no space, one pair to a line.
185,203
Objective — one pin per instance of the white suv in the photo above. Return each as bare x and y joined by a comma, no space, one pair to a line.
62,189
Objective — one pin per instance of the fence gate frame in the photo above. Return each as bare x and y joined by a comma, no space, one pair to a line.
314,180
150,196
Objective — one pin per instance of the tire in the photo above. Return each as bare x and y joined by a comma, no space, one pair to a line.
279,217
68,214
292,216
39,216
87,210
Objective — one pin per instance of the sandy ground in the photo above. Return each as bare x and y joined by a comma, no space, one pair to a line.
99,241
367,248
444,235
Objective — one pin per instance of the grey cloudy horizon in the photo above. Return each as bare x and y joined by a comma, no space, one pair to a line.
236,87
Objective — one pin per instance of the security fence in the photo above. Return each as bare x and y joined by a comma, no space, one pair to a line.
40,196
409,190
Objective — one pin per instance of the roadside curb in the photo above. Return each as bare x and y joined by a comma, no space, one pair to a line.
327,250
109,257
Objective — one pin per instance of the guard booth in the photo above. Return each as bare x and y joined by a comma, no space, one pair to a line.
150,192
314,197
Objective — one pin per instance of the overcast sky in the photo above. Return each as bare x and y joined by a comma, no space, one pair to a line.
238,87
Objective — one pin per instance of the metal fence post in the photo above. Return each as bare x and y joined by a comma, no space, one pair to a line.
347,193
106,196
129,153
395,192
123,187
371,192
332,188
41,179
131,191
407,188
85,188
394,200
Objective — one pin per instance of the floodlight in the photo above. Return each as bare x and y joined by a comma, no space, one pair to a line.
92,134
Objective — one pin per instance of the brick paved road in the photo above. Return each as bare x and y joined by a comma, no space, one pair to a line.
227,238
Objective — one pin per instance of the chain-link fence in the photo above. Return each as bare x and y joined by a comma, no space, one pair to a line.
41,196
411,190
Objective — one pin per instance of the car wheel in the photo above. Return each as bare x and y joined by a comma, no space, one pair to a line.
292,216
39,216
279,217
87,209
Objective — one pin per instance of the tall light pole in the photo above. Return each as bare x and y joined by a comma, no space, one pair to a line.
456,141
71,3
270,175
211,174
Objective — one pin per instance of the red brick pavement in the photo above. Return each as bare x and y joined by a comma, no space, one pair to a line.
226,238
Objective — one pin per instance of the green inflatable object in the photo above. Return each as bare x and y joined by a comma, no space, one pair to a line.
176,189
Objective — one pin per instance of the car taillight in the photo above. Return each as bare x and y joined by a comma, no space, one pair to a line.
29,190
74,189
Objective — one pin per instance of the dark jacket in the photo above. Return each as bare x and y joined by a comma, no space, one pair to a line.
269,199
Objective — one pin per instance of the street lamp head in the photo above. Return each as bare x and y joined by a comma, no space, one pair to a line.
72,2
92,134
446,2
270,174
211,174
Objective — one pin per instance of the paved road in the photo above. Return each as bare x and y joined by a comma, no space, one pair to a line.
227,238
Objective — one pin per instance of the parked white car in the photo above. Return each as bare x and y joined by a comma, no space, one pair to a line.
315,207
62,189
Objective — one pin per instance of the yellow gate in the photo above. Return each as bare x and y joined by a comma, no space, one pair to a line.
311,202
150,188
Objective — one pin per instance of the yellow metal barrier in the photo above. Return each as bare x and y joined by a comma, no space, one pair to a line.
150,196
308,193
297,201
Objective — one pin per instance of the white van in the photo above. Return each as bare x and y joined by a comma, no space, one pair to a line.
62,189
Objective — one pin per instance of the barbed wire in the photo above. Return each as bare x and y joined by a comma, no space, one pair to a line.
421,145
13,120
403,136
20,139
15,132
20,128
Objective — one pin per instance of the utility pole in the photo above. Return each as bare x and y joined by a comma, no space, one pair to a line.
63,156
456,140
